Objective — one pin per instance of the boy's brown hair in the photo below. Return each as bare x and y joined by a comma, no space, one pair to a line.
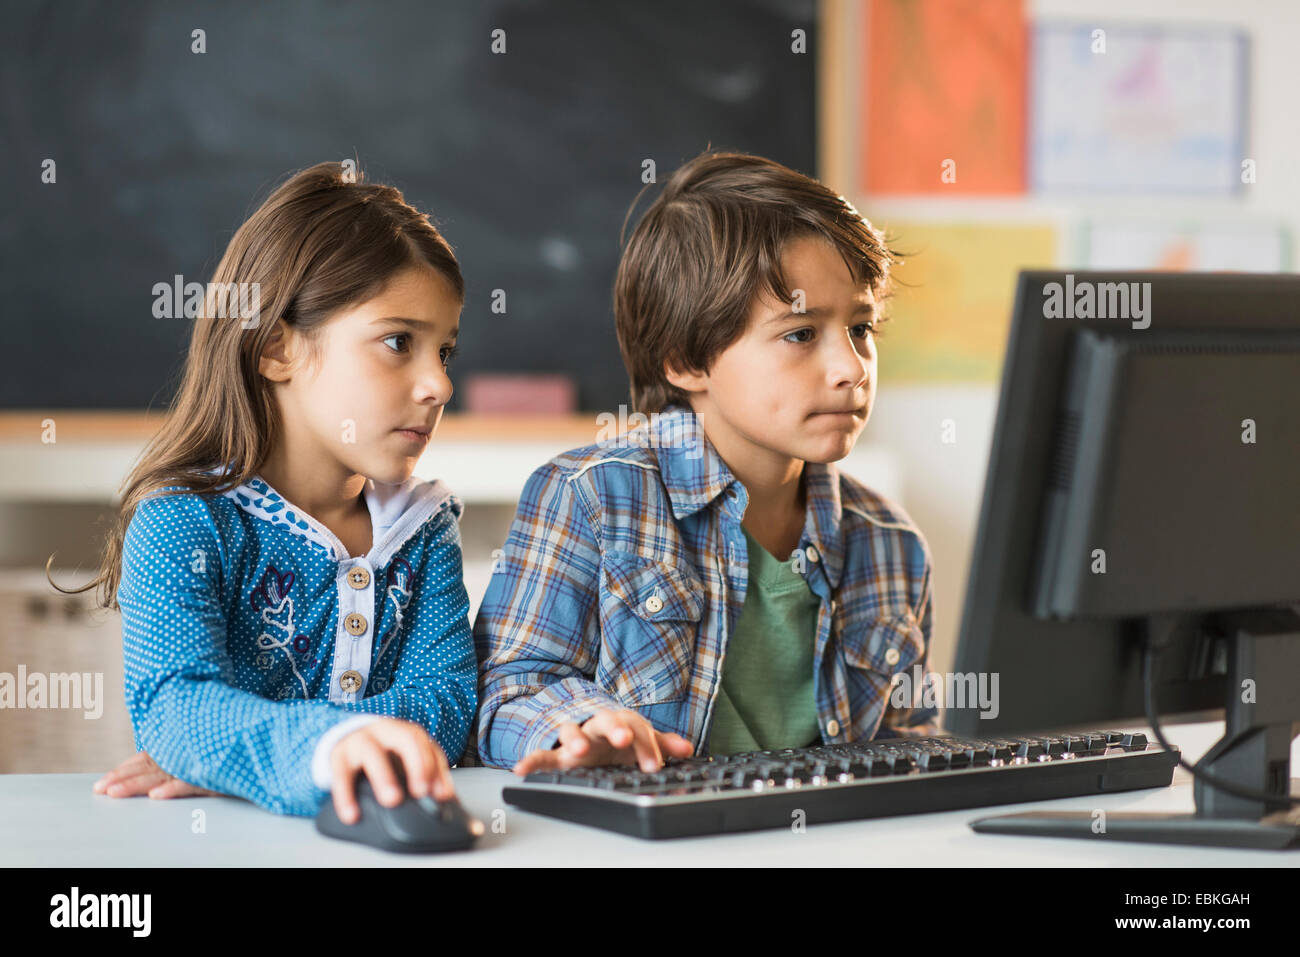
707,247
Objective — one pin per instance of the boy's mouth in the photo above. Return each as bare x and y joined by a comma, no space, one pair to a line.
418,434
854,413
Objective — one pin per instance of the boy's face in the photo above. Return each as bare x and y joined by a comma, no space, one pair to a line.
795,385
375,376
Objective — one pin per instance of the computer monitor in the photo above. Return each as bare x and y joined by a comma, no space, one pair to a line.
1142,507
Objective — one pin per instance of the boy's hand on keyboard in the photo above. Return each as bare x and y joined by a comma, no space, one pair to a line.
610,736
139,774
371,749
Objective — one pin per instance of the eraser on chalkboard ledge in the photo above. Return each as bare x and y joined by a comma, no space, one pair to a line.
508,393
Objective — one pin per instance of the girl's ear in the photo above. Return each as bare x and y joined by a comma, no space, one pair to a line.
276,361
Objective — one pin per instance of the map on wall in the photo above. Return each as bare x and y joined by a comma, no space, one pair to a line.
1138,108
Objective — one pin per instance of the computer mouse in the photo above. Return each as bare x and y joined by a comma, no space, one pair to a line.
416,826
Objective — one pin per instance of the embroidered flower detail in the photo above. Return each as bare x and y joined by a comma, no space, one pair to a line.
398,590
399,581
273,590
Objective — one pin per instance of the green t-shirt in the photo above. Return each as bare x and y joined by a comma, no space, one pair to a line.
767,698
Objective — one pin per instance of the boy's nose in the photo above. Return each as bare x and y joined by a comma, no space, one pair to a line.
848,367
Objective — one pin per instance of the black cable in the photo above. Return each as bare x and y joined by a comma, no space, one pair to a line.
1148,698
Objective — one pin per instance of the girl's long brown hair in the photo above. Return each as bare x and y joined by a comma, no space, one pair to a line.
322,241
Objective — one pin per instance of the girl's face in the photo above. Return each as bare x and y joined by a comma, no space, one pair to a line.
382,370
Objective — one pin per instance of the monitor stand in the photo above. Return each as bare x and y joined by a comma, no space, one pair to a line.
1262,717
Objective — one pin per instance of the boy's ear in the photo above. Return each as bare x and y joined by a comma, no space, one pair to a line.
686,381
276,360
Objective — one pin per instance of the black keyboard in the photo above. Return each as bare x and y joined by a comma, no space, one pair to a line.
841,782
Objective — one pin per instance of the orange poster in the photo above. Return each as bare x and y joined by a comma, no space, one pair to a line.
942,101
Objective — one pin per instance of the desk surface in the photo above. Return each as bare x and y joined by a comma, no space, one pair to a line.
51,820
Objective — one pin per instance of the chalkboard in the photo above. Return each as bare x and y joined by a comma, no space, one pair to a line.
527,160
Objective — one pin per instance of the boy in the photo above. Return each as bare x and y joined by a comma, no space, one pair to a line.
710,583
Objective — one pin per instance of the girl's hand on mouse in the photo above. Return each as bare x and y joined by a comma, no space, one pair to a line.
368,749
610,736
139,774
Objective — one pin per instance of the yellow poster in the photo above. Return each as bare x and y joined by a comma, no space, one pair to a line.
953,295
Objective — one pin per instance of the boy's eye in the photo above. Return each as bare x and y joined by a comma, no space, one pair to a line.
805,335
397,335
449,353
862,328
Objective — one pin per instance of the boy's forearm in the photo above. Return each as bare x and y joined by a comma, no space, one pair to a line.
519,719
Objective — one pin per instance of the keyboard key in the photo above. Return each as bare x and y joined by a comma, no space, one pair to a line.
1032,750
542,777
931,760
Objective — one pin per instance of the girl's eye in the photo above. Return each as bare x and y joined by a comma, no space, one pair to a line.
865,327
449,353
397,335
805,333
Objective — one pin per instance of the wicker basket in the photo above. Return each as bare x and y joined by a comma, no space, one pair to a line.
50,634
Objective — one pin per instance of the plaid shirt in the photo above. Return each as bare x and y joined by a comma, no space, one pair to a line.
624,575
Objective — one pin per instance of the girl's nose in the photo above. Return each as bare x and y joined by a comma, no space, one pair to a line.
436,385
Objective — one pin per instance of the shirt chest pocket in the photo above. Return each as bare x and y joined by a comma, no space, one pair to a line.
649,617
884,644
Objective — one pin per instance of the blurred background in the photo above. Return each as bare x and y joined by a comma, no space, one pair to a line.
984,136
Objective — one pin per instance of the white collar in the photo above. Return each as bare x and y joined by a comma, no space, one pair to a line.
397,511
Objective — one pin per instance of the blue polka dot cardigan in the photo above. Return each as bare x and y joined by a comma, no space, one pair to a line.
253,641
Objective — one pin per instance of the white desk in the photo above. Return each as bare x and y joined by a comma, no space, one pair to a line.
56,820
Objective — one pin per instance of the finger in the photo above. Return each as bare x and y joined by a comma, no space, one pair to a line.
131,766
344,772
610,727
644,744
444,788
136,784
173,788
573,739
604,731
377,764
675,744
543,759
616,727
418,762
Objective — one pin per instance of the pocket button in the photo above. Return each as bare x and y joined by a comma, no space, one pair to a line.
891,656
654,604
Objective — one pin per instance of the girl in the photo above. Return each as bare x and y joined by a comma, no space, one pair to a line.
292,601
